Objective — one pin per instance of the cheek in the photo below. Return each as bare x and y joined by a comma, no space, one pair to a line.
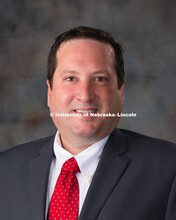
107,95
112,100
61,98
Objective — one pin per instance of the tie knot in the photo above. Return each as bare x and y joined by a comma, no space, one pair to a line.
71,165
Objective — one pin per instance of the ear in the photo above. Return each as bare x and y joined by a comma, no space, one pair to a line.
122,93
48,93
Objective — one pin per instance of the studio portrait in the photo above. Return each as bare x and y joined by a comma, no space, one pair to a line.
88,110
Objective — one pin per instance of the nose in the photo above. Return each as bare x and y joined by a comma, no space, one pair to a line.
85,91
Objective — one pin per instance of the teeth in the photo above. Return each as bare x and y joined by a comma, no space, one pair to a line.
86,111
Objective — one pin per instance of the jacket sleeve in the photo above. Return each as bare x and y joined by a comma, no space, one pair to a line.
171,206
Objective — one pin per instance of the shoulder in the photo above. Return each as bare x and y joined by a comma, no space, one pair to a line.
26,151
149,147
134,138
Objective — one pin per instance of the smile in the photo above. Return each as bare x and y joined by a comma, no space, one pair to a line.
84,111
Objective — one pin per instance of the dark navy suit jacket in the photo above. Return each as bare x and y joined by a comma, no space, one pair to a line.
134,180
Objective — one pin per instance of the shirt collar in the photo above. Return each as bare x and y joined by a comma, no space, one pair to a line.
87,159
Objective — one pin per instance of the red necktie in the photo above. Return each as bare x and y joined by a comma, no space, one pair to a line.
65,199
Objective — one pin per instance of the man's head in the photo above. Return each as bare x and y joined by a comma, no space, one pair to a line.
84,81
87,33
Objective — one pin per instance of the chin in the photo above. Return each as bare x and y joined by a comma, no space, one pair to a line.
87,132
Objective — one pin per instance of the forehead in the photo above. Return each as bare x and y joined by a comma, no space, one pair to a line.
85,47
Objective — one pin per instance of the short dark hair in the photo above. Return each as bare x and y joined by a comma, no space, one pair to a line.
83,32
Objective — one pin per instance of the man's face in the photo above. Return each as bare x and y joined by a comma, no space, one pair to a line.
85,81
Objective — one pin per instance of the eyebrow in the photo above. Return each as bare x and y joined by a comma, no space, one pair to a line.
69,72
96,72
102,71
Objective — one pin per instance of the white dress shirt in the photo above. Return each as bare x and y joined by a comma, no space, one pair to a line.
87,161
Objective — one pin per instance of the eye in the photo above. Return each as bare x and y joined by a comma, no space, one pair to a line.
101,79
70,78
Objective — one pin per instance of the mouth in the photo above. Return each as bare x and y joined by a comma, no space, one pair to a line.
85,111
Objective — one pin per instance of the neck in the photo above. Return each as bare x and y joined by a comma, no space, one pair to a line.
76,146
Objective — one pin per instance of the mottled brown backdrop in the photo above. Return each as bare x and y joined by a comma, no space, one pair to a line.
147,28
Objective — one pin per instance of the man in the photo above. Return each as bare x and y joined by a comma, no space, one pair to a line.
114,174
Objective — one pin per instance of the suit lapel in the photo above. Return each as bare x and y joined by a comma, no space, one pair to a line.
107,175
38,180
